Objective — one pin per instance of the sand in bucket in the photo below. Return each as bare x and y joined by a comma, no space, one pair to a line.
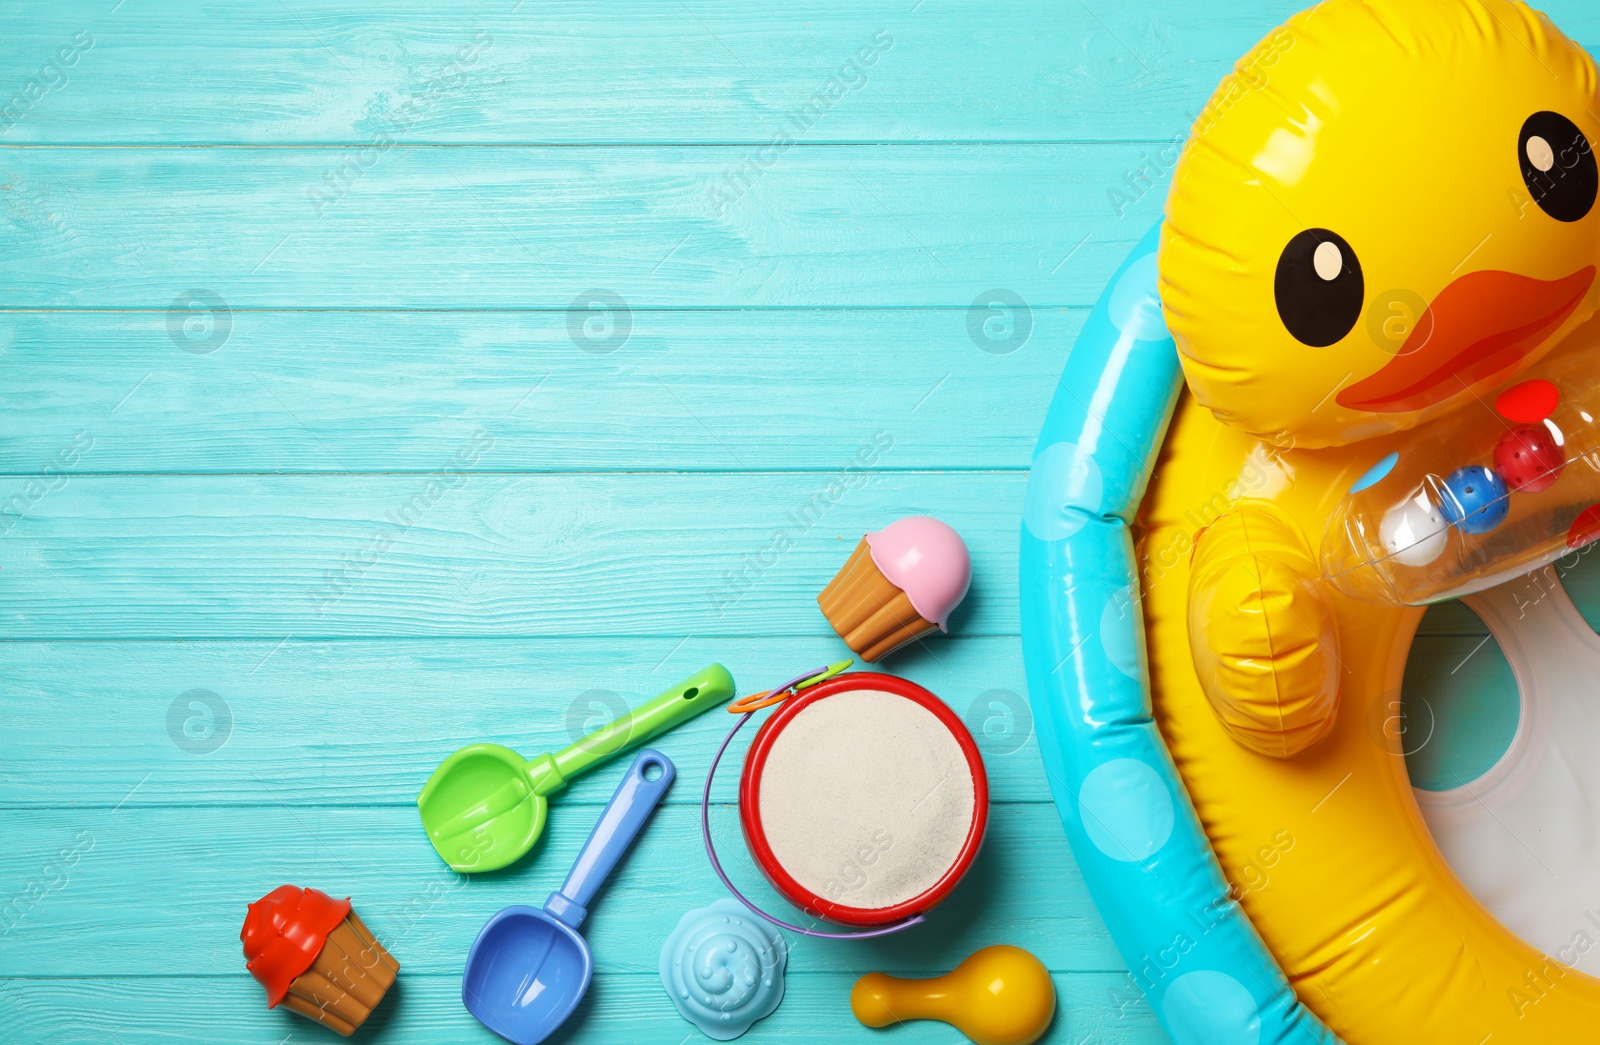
866,799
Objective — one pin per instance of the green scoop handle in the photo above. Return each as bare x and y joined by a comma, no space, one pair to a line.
485,806
708,687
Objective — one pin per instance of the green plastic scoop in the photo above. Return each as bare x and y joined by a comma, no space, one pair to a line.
485,805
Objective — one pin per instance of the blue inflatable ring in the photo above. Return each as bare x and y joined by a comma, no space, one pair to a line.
1138,842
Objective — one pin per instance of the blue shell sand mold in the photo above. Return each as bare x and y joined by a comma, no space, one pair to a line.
723,968
1138,842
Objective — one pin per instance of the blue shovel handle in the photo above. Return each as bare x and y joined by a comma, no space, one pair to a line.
635,799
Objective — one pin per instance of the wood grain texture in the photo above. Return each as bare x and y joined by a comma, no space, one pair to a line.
469,554
365,722
377,377
298,715
636,71
295,718
720,390
518,228
103,913
626,554
1092,1008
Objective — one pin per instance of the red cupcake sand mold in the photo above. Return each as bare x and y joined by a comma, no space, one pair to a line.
315,956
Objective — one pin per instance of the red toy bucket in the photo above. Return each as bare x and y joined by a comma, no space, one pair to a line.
864,799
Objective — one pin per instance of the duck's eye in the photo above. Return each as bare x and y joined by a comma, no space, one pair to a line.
1557,166
1318,287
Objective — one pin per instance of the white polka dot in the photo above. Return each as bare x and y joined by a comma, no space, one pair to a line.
1328,260
1126,809
1135,305
1064,491
1211,1008
1540,154
1119,631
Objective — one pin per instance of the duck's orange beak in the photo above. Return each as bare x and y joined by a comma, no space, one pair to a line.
1479,325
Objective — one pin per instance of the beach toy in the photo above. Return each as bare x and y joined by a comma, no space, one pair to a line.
485,805
1476,499
863,800
723,968
899,583
1413,532
528,968
1529,458
315,956
1458,506
1260,394
1001,995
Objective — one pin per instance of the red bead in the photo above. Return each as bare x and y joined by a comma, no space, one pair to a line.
1529,459
1585,528
1529,402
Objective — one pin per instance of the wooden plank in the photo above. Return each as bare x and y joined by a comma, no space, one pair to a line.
486,554
95,913
338,72
1448,620
386,712
426,1010
222,723
394,392
1460,710
337,723
559,227
259,746
703,554
343,71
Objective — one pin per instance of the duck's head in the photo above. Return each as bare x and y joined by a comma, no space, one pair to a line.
1386,208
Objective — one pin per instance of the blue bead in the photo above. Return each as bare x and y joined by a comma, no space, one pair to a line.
1475,499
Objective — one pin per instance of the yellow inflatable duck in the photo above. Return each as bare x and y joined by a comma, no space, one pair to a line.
1386,216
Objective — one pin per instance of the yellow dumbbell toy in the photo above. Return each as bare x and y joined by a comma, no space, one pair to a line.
1000,995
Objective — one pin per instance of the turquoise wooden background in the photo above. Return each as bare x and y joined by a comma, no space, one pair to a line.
281,277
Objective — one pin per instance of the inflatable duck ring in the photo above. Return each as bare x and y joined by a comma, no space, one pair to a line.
1351,374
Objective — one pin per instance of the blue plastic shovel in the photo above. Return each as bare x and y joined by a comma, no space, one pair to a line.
528,968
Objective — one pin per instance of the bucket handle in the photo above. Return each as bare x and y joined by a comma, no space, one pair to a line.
744,707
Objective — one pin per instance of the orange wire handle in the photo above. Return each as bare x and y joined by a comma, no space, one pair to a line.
756,701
